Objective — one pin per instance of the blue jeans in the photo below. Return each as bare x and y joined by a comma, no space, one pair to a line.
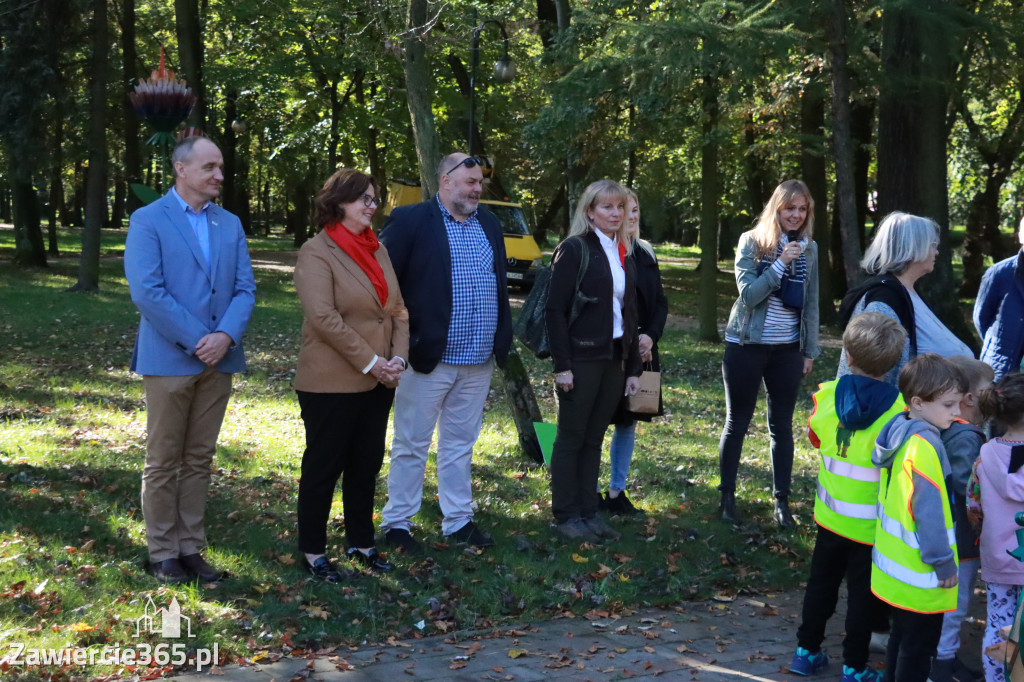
623,437
949,641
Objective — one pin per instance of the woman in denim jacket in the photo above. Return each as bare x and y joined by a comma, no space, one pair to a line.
771,337
999,313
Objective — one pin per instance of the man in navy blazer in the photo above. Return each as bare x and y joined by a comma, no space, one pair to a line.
189,275
450,260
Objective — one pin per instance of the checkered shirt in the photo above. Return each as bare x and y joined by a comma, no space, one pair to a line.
474,292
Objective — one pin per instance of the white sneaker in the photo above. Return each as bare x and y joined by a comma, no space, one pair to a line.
879,642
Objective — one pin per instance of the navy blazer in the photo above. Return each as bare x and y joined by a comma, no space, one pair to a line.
417,242
182,299
999,315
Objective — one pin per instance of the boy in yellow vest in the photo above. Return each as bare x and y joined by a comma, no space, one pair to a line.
848,415
914,564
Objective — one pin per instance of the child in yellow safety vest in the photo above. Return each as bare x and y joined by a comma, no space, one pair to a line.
848,415
914,562
963,441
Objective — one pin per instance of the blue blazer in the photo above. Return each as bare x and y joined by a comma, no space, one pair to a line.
417,242
999,315
180,297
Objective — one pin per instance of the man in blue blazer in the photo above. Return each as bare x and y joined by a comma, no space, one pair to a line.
450,261
189,275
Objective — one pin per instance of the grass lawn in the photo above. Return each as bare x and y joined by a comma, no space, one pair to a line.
72,444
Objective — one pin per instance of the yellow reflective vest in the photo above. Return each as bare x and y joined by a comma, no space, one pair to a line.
847,480
898,575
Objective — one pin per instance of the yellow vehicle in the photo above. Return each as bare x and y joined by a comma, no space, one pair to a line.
521,250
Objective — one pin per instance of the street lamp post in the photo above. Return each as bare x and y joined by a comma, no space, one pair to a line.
504,71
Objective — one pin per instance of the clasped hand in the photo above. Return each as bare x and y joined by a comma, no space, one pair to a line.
387,372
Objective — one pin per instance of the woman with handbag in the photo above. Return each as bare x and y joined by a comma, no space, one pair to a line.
652,312
593,340
771,338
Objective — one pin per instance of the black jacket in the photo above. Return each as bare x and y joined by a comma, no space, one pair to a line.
590,337
651,304
417,242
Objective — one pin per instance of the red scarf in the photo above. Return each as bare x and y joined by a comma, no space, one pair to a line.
622,255
360,248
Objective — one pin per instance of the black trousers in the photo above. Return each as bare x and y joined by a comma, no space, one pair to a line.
344,439
583,417
744,369
835,558
913,640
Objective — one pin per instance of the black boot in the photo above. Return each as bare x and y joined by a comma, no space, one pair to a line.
783,516
727,507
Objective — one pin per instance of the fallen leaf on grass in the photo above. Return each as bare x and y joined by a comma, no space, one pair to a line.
579,559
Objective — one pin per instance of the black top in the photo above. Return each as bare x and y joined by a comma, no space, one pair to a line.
417,243
590,337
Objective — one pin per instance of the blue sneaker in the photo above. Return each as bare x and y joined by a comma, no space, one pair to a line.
868,674
806,663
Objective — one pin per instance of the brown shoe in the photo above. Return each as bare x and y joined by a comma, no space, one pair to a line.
169,571
197,566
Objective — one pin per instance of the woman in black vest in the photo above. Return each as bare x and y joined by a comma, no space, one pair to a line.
593,339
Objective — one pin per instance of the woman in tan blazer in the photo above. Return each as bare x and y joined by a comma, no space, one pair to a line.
355,337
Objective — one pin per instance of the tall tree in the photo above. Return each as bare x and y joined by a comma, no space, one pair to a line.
918,41
418,85
842,141
189,28
96,179
28,63
130,71
707,313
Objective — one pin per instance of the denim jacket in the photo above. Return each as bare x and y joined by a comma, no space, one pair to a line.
999,315
746,321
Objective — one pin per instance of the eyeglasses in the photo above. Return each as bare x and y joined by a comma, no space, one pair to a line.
369,201
468,162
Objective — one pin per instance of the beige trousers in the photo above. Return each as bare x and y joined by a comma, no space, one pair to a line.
183,419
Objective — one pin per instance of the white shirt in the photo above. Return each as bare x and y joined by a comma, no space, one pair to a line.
611,252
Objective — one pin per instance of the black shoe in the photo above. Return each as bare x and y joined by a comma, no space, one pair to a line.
322,569
942,670
403,541
169,571
197,566
471,535
783,516
373,561
727,507
621,505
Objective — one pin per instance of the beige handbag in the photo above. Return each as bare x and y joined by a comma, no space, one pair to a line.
648,397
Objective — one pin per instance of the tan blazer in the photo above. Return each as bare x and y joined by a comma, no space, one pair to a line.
344,325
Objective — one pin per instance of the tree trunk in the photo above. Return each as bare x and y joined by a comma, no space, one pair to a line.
229,150
132,143
28,233
709,192
912,132
846,191
188,27
418,84
96,179
814,172
56,185
523,403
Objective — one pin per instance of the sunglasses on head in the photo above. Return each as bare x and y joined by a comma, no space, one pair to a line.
468,162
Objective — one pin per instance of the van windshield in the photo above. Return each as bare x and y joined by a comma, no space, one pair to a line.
511,217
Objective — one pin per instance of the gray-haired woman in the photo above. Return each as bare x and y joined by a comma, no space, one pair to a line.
902,251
